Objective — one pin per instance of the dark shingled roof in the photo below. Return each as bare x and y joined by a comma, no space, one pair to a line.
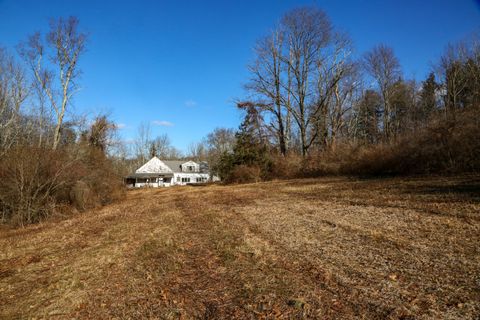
174,165
149,175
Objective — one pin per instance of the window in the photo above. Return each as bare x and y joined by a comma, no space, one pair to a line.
185,179
178,179
201,179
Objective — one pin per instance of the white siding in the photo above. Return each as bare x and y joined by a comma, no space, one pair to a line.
189,173
193,177
190,166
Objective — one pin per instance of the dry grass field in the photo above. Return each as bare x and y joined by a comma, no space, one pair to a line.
329,248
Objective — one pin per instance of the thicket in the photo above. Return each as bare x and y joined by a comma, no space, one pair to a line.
445,146
38,182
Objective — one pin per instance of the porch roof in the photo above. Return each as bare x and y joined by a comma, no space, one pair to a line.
144,175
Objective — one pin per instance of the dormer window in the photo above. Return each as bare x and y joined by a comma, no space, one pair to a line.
190,168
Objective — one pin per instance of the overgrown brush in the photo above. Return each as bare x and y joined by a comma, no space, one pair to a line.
446,146
39,182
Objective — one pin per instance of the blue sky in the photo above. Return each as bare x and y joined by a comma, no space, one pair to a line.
179,65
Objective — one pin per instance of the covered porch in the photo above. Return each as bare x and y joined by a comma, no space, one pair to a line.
150,180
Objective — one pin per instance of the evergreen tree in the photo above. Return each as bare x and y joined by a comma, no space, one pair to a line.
403,107
428,98
470,96
249,150
368,113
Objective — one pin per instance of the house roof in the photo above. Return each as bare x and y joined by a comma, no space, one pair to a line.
149,175
154,165
158,168
174,165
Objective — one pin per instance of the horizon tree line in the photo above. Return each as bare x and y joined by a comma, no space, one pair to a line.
311,92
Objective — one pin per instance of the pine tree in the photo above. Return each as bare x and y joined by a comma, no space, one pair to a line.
428,98
368,114
249,150
403,107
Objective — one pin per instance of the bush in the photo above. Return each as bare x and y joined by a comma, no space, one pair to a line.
245,174
80,195
101,178
30,177
286,167
38,182
446,146
254,162
329,162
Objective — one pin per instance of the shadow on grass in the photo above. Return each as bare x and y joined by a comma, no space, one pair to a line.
465,190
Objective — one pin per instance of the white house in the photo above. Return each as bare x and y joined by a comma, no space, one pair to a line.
165,173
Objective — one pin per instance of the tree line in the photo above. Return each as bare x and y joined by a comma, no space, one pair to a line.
312,91
309,94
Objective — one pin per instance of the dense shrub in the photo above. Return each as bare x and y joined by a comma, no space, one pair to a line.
245,174
30,178
102,178
38,182
445,146
286,167
232,168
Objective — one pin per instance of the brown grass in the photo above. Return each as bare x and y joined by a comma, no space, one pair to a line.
321,248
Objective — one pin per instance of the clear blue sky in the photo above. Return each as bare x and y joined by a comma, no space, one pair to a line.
184,62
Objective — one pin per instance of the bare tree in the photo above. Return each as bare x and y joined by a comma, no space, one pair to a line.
100,133
382,64
336,80
455,83
64,45
365,120
221,140
68,44
459,72
307,32
13,92
266,83
198,150
174,154
344,94
142,142
161,146
303,73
